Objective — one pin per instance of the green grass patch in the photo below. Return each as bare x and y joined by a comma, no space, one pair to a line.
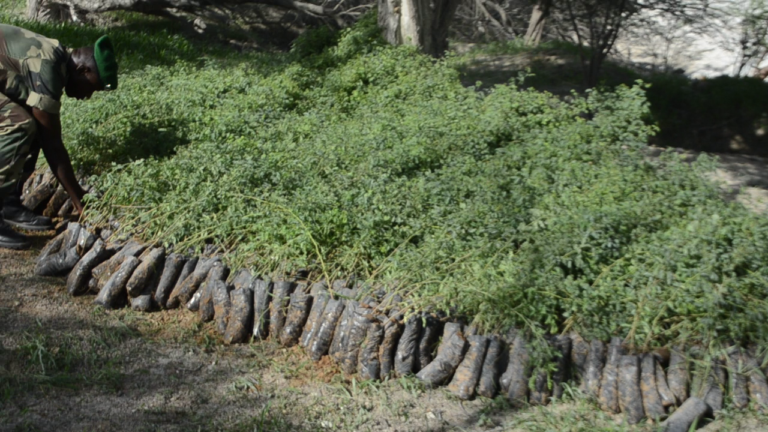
46,360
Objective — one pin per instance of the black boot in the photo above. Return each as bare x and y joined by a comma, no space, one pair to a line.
17,215
10,239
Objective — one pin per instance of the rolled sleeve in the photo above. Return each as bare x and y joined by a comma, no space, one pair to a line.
45,79
43,103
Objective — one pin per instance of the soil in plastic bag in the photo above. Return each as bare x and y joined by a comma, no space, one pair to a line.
359,322
58,264
540,393
205,307
678,375
93,285
667,397
347,293
66,209
132,248
737,380
630,396
693,410
262,294
170,274
595,365
298,311
54,204
85,241
38,197
52,247
278,307
489,375
193,305
756,382
150,263
341,332
240,320
368,365
518,371
562,344
104,271
189,267
428,341
108,264
579,355
389,303
142,303
609,382
315,318
714,385
321,343
221,305
372,303
448,331
242,279
447,360
146,302
77,281
73,230
318,287
184,292
393,328
407,347
114,295
652,405
468,373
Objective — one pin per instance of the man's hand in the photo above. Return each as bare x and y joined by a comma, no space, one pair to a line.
49,128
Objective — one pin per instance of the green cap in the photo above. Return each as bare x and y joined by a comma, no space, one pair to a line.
104,54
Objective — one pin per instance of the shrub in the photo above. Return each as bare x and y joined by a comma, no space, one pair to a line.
511,206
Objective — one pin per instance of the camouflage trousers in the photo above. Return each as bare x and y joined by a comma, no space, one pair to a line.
18,131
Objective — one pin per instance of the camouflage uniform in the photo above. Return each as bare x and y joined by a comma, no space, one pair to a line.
33,72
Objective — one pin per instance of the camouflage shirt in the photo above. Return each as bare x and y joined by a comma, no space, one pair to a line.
33,69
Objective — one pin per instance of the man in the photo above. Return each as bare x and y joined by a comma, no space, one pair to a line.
34,73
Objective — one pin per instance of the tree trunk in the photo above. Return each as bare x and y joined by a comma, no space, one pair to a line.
421,23
536,24
33,7
73,8
40,10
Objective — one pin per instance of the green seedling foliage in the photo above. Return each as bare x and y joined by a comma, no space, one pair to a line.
510,206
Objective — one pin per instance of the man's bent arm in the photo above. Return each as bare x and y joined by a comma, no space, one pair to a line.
57,156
